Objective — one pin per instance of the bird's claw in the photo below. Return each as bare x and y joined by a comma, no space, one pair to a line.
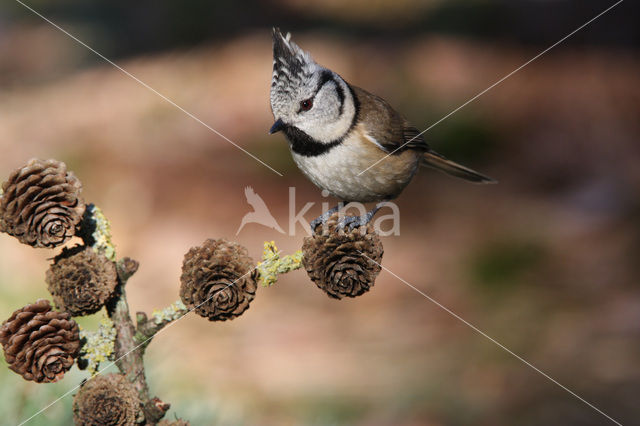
351,223
315,222
322,219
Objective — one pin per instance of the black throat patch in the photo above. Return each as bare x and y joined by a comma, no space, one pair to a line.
303,144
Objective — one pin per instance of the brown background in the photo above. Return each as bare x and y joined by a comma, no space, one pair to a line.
545,262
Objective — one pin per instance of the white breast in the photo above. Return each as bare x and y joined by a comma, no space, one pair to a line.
338,170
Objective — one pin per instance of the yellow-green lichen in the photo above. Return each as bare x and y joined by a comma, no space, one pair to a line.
273,264
99,345
170,313
102,233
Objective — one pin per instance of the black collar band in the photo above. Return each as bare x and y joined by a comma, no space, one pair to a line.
303,144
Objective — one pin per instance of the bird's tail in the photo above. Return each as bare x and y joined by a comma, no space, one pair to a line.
436,161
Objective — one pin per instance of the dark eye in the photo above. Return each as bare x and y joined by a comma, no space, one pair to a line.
306,105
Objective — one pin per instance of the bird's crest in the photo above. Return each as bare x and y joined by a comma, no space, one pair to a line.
291,64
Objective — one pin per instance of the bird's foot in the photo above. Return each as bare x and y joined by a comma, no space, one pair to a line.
322,219
354,222
351,222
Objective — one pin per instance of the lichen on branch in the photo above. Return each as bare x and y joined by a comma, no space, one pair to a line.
98,345
273,264
96,232
147,328
170,313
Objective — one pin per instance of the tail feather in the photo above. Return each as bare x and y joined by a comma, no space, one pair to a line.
436,161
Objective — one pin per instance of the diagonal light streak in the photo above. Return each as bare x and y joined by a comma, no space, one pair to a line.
494,341
495,84
142,83
138,346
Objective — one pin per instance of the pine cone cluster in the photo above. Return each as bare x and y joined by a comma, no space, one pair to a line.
342,262
218,280
41,204
109,400
81,280
40,344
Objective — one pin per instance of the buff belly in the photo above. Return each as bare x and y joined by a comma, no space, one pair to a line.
337,171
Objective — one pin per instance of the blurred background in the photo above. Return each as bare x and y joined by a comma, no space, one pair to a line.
546,262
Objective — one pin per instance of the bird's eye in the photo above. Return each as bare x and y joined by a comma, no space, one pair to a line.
306,105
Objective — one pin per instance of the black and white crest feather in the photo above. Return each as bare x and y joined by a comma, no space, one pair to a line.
289,61
313,105
291,67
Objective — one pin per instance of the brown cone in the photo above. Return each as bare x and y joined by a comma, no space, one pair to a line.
218,280
41,204
81,280
40,344
342,262
109,400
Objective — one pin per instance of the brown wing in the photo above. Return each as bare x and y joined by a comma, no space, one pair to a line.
386,125
394,135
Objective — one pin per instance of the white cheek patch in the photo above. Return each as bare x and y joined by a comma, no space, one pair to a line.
328,131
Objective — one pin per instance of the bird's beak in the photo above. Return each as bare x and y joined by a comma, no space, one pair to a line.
277,126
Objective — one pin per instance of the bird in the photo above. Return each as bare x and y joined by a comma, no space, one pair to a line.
347,141
260,213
